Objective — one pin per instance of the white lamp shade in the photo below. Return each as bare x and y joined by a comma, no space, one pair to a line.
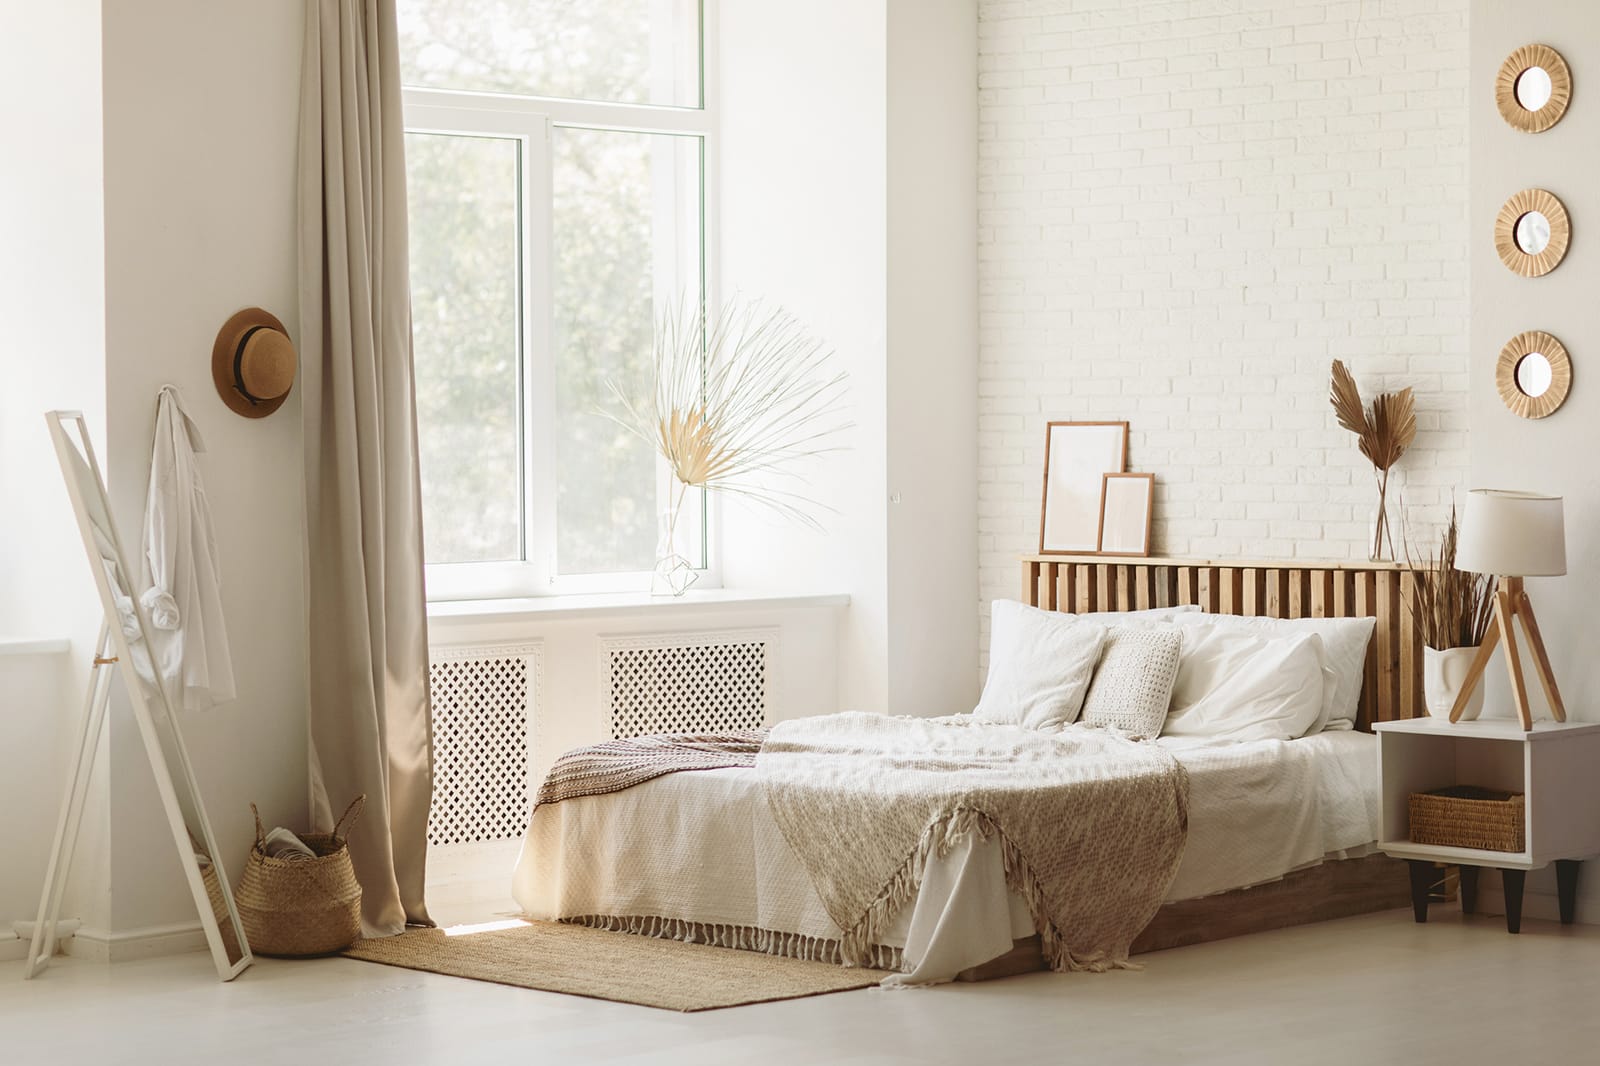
1512,534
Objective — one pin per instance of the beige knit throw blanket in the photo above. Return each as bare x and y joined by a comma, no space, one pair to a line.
1091,824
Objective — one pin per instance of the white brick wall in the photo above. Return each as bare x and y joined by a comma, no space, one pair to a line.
1186,210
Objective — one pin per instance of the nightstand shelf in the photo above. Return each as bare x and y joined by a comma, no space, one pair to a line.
1554,766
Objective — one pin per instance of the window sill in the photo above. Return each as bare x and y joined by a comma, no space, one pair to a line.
623,605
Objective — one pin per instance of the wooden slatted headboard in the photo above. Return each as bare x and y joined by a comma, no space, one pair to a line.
1282,588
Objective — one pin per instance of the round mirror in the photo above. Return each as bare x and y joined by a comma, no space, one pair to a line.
1533,88
1534,375
1533,233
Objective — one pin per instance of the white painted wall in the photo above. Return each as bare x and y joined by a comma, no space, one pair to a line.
932,355
1555,454
846,196
201,110
52,299
802,174
1186,211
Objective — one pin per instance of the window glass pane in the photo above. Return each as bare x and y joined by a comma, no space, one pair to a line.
465,284
621,51
626,247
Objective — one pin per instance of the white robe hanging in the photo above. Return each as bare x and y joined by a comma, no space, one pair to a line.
182,597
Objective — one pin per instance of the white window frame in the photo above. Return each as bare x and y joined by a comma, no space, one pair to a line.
530,120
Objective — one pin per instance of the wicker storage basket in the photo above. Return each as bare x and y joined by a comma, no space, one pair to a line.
1464,816
301,907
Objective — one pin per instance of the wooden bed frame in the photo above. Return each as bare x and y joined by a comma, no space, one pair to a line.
1085,584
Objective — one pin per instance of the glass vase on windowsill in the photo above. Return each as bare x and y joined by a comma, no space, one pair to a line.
673,573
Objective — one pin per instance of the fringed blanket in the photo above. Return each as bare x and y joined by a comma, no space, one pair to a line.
1092,825
619,764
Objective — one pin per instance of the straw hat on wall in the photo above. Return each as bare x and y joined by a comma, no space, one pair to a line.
253,363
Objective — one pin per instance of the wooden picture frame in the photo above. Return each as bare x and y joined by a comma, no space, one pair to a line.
1077,456
1126,506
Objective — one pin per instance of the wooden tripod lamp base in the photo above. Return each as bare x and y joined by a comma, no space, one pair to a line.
1512,603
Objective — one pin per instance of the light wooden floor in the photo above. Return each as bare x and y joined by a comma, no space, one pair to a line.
1360,992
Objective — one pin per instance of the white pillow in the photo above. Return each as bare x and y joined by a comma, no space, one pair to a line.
1344,648
1237,683
1132,685
1040,663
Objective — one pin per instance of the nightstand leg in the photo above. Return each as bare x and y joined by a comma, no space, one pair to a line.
1469,889
1421,883
1511,882
1567,888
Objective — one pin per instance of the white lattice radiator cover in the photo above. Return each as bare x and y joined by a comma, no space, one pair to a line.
707,682
485,701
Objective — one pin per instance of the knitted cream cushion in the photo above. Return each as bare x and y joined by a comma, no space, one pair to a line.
1132,685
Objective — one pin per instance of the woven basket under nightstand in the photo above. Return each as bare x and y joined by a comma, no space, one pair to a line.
1464,816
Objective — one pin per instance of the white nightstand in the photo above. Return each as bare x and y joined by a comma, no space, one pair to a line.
1556,767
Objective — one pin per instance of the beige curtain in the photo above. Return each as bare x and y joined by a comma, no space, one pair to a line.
368,628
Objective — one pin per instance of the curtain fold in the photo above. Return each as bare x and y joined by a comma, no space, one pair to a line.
370,722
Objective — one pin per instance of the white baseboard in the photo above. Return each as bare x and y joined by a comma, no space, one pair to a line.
99,945
1541,905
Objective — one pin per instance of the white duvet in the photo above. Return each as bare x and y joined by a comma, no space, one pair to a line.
703,847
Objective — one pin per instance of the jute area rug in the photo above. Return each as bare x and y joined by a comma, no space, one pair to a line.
600,964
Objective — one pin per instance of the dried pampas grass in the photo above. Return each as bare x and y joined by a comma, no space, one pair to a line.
1383,431
1451,608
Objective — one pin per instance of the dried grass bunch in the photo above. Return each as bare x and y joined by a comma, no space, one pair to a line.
735,403
1452,608
1384,431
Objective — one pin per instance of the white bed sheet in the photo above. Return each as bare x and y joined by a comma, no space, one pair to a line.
703,847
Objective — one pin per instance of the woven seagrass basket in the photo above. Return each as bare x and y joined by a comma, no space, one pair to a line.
1465,816
300,907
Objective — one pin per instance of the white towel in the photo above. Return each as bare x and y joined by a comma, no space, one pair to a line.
182,594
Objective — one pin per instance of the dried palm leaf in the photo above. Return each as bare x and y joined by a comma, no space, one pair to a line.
1383,432
735,404
1346,400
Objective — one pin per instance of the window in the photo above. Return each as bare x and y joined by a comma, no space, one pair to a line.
555,156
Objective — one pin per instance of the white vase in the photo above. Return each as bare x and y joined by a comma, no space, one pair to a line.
1443,673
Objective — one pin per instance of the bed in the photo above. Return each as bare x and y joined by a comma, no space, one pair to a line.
1279,831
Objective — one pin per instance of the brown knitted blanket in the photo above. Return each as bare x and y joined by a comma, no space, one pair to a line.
1091,824
619,764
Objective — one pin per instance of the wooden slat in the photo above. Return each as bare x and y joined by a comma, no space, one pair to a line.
1063,585
1410,705
1297,594
1144,588
1232,591
1254,592
1388,640
1124,585
1322,594
1276,602
1187,593
1366,606
1105,590
1030,583
1085,598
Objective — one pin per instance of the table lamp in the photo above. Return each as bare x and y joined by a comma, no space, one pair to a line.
1512,535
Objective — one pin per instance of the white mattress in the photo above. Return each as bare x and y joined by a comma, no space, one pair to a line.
703,847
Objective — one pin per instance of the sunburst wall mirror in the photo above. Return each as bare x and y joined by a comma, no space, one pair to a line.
1533,374
1533,88
1531,232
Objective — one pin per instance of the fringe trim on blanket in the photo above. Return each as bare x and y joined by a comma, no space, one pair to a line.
746,938
936,841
